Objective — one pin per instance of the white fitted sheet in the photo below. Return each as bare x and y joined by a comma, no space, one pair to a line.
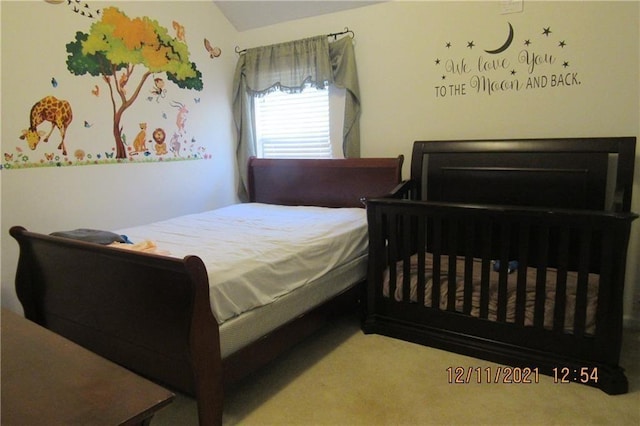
256,253
238,332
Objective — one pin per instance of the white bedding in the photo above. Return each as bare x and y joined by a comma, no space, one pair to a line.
256,253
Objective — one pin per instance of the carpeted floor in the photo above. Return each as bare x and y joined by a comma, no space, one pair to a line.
340,376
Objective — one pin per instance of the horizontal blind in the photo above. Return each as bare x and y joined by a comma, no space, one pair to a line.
293,125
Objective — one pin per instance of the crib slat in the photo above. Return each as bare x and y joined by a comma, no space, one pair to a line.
604,283
505,236
561,280
541,275
437,251
583,281
452,280
468,265
486,268
406,224
523,259
392,257
421,259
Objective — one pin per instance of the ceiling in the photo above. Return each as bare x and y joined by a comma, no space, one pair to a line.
247,15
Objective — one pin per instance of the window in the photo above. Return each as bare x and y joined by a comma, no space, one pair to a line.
307,124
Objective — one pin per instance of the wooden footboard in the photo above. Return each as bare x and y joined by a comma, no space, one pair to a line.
494,314
146,312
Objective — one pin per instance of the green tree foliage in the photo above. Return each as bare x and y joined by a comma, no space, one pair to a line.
115,46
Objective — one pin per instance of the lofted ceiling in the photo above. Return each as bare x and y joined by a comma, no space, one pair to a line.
247,15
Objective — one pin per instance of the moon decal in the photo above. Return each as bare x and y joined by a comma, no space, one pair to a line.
506,44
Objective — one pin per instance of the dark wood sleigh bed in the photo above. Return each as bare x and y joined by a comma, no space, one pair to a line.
528,242
151,313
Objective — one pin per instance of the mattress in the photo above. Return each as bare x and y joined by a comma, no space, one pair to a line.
257,253
551,277
250,326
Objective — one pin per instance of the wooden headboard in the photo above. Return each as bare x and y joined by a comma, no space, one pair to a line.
327,183
573,173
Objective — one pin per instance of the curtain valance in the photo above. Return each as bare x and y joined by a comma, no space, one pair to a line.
288,66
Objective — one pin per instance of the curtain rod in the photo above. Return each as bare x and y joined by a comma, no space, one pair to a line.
334,35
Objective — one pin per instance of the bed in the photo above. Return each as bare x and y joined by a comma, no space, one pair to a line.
153,312
511,251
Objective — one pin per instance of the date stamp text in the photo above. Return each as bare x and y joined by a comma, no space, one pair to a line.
492,375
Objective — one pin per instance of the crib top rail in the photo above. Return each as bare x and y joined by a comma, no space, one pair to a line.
498,210
571,173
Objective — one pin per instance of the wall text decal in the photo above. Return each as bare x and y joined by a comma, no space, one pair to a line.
519,64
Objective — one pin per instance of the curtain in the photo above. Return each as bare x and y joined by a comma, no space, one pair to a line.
290,66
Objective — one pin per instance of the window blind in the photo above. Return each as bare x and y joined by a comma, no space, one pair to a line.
293,125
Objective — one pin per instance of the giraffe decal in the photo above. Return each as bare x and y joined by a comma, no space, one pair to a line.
57,112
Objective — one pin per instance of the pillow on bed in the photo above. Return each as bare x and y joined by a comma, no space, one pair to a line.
92,236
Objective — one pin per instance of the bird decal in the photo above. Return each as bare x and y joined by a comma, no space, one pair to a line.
214,52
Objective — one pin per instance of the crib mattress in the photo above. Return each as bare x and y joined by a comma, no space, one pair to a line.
257,253
551,276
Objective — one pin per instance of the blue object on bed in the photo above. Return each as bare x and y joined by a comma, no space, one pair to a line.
93,236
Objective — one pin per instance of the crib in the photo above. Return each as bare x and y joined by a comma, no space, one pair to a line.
512,251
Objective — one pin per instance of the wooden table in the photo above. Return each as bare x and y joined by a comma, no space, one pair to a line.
49,380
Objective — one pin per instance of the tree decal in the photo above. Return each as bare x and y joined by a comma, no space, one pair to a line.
115,46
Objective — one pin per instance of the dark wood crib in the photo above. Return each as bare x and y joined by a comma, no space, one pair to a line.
513,251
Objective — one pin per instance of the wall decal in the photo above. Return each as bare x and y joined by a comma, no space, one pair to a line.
179,30
506,44
57,112
138,73
214,52
539,61
115,46
78,6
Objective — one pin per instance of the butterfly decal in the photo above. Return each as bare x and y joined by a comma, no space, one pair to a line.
180,33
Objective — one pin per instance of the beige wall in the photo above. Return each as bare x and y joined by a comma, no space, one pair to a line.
396,45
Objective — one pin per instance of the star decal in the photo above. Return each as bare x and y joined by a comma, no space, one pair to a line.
444,77
527,42
470,44
513,72
565,64
546,31
437,61
448,45
562,43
